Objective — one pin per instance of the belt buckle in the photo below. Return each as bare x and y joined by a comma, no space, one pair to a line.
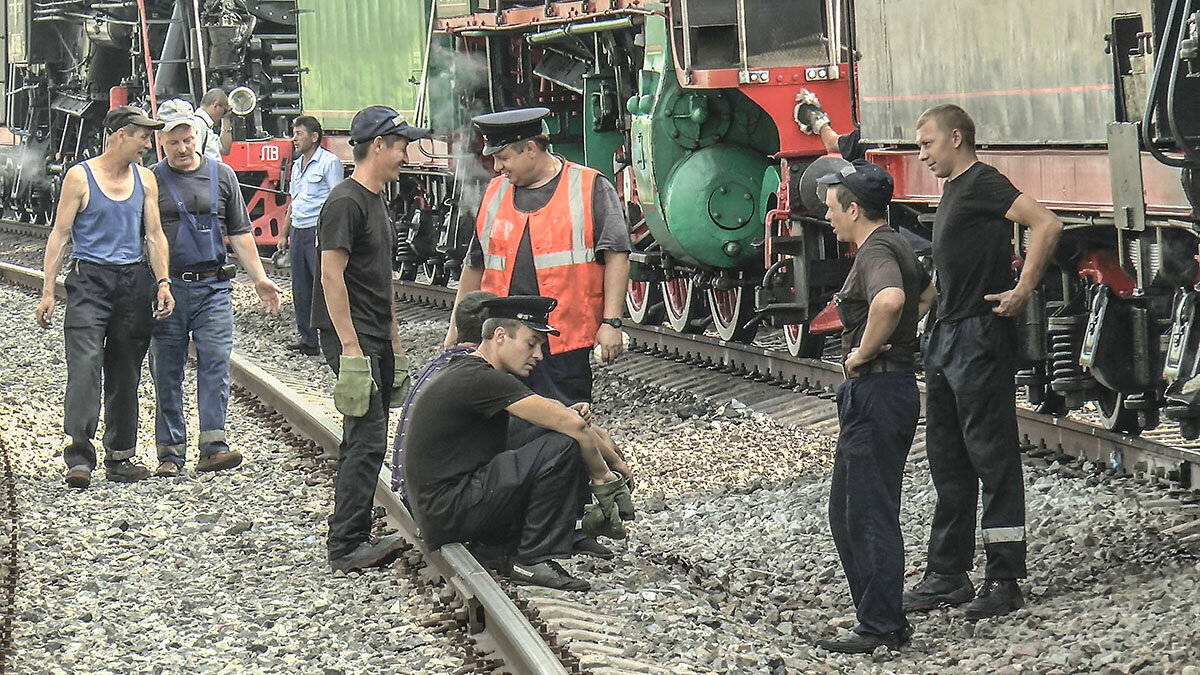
190,276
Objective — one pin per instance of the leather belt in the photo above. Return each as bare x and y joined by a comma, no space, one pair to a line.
876,366
194,276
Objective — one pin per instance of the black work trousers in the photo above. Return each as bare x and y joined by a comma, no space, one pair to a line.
364,442
565,377
530,495
971,440
878,416
106,330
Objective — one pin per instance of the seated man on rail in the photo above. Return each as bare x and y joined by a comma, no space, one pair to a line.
470,480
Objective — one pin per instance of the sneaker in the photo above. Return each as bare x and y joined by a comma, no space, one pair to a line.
79,477
226,459
125,471
307,350
374,552
936,590
168,469
996,597
865,643
549,574
590,546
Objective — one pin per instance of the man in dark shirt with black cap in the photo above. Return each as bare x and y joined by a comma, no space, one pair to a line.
570,216
470,480
971,422
354,315
885,294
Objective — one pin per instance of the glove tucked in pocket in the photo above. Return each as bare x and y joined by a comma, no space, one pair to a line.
352,393
401,380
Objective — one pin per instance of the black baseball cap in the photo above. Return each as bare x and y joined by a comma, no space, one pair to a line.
122,116
500,129
381,120
871,183
531,310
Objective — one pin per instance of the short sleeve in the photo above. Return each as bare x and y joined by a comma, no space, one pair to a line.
237,220
609,231
850,147
881,271
340,220
474,257
491,391
334,173
995,193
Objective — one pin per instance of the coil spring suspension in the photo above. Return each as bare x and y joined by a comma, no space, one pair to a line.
1066,375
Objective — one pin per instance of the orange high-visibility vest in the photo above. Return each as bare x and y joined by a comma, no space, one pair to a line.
564,255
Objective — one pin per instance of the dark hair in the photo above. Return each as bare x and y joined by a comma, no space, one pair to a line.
310,124
360,150
510,326
470,315
950,117
214,96
845,198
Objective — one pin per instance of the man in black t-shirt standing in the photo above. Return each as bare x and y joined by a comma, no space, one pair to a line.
885,294
470,480
971,424
354,316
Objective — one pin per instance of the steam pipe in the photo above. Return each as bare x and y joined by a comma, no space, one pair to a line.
579,29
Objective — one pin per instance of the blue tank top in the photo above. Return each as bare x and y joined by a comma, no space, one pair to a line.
109,232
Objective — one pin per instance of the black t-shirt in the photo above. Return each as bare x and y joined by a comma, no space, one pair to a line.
458,424
355,219
609,232
885,260
972,241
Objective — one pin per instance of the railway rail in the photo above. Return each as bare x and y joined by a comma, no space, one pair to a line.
489,614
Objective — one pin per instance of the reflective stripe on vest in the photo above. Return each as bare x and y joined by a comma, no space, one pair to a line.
492,262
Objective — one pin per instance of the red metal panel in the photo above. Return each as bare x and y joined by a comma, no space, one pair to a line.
559,12
267,158
1069,180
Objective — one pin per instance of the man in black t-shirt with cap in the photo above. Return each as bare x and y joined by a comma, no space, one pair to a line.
885,294
355,319
971,421
470,480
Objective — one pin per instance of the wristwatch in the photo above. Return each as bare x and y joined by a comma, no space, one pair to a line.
164,280
615,323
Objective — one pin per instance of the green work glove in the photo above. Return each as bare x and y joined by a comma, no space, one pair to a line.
352,393
599,523
614,496
401,380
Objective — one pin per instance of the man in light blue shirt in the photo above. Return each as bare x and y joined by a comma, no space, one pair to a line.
315,171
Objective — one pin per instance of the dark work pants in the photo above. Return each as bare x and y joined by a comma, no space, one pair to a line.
566,377
878,416
302,253
106,330
364,442
971,439
531,494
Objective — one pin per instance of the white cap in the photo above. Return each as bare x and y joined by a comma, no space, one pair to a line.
174,112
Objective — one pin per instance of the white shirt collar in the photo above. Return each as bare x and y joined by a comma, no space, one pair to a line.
203,114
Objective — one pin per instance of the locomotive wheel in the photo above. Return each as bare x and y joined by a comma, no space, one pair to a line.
683,306
1116,417
408,271
436,272
801,343
730,311
644,301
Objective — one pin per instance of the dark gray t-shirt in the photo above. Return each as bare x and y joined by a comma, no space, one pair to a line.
355,219
194,191
608,230
885,260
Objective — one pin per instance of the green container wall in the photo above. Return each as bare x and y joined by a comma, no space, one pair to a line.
359,53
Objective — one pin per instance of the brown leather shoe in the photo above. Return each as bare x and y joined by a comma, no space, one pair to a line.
226,459
168,469
79,477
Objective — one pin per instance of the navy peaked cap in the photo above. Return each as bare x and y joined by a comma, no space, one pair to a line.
510,126
531,310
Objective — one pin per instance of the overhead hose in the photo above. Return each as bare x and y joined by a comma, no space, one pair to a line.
1188,151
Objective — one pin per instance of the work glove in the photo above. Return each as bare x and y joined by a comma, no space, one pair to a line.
808,113
614,495
352,393
597,522
401,380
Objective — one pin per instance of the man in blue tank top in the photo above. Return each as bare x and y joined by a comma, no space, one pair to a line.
108,205
201,204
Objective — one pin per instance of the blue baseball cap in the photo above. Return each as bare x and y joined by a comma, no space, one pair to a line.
871,183
381,120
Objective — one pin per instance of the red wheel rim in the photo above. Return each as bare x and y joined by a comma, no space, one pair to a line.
637,292
678,291
725,306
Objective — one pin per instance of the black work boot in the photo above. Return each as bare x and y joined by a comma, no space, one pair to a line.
865,643
549,574
374,552
996,597
937,589
125,471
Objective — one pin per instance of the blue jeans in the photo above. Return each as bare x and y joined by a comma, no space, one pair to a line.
203,312
302,251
